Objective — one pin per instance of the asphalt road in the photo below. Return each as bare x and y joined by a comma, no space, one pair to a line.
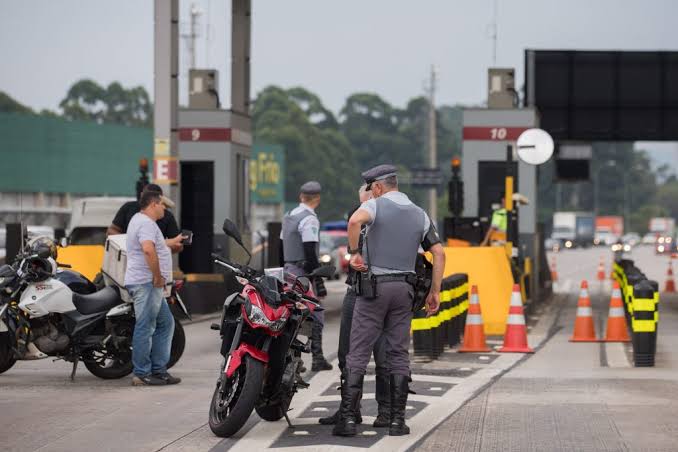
564,397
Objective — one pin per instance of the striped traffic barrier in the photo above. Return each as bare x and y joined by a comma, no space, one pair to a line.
644,325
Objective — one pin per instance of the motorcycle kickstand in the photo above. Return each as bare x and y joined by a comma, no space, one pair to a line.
75,367
287,418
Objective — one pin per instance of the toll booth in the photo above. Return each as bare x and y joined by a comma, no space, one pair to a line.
214,150
486,134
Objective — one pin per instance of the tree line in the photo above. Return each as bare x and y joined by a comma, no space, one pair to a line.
368,130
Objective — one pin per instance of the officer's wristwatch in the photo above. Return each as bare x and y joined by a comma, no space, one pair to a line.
354,251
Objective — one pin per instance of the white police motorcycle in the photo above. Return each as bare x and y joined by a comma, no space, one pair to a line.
46,311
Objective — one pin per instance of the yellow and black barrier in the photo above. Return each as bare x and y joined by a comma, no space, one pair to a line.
641,300
430,335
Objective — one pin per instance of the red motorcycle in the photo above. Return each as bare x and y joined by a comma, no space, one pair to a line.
260,328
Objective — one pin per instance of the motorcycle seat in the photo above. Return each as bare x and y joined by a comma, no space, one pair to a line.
99,301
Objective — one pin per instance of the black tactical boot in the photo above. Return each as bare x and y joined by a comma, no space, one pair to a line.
333,419
399,391
383,396
351,391
319,362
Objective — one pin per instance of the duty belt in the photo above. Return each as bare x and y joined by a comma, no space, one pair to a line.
409,278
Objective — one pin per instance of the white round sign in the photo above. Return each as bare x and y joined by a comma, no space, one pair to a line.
535,146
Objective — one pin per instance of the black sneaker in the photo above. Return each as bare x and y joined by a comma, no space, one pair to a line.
147,380
168,379
319,365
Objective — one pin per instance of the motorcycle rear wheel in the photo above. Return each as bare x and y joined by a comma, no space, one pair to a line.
7,359
243,391
103,368
178,343
109,369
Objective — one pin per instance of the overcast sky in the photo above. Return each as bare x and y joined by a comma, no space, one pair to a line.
333,48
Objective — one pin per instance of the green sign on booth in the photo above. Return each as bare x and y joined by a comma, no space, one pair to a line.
267,174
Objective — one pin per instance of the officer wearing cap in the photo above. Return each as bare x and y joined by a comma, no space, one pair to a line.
396,228
300,237
382,386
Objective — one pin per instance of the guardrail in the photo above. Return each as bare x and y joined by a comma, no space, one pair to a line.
431,335
641,300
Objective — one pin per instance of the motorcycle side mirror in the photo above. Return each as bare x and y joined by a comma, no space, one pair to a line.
305,283
231,230
324,271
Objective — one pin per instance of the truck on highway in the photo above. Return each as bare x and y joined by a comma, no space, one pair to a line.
573,229
664,229
609,230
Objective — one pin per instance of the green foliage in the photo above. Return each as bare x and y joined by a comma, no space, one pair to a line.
315,149
369,131
88,101
10,105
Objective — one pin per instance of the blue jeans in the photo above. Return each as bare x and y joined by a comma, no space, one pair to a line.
153,330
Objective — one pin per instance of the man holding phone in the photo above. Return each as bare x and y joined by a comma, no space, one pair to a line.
149,265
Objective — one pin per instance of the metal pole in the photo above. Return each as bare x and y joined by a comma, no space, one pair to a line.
511,232
432,144
166,75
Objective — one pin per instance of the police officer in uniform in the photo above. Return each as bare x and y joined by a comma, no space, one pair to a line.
396,228
300,241
382,392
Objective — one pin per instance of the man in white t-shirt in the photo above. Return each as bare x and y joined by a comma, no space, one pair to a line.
149,265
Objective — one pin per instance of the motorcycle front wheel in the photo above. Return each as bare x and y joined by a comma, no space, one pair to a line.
230,408
7,359
274,411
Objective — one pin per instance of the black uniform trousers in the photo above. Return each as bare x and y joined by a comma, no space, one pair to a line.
379,350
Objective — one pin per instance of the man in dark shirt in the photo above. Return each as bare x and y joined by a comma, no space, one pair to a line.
167,224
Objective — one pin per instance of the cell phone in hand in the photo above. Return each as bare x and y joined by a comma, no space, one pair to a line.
188,237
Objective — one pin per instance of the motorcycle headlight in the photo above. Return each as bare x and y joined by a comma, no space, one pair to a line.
325,258
256,316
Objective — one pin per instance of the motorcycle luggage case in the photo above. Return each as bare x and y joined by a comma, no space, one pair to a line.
115,265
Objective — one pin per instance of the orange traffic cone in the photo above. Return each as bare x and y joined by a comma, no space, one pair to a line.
515,338
474,335
670,286
601,270
554,273
616,320
584,330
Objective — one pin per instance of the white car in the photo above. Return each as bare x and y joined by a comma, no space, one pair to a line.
649,239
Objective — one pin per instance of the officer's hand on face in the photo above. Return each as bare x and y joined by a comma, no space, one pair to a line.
357,263
432,303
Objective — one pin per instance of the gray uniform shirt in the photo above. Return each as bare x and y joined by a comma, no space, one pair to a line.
370,207
140,229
